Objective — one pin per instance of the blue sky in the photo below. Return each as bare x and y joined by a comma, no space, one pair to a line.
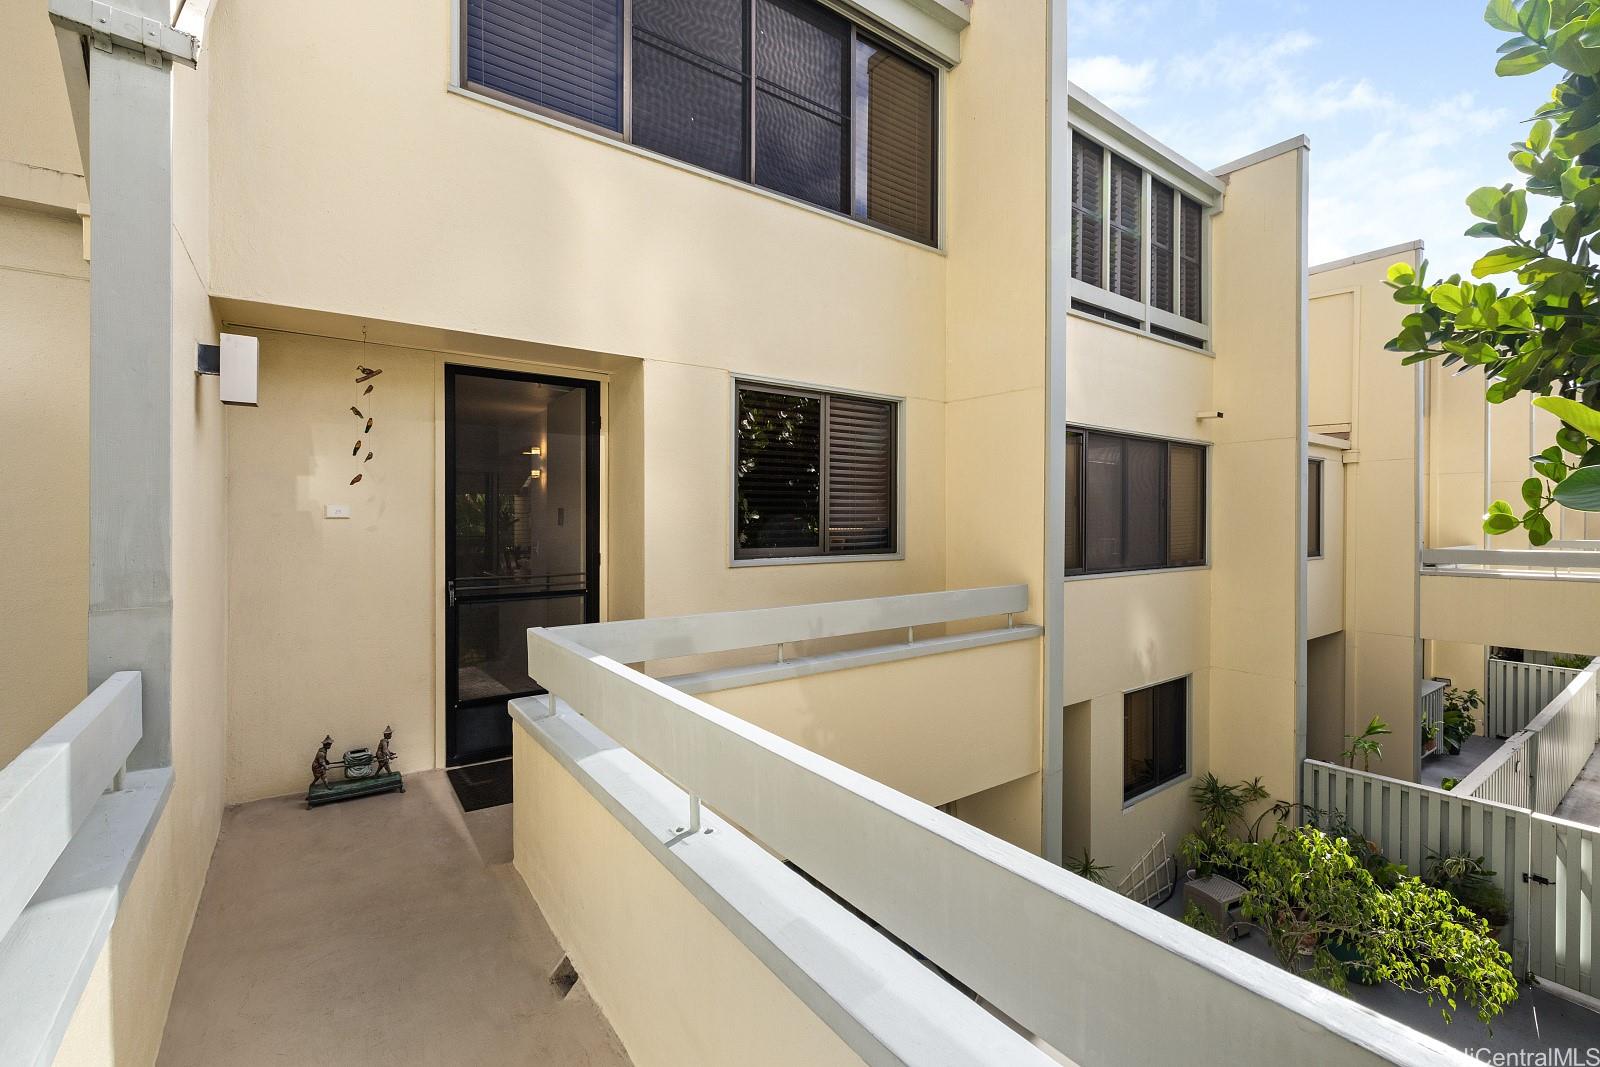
1399,98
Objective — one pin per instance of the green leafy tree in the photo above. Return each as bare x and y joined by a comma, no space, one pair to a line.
1540,335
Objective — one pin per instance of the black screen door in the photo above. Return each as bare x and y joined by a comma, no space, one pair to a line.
522,538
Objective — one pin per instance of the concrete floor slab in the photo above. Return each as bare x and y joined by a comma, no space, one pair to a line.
1474,751
1582,802
390,927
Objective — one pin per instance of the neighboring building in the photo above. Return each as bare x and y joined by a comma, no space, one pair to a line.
711,308
1409,590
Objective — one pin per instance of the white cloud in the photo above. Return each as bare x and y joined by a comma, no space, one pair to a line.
1118,83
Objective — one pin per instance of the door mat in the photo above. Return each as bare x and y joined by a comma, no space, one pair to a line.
483,785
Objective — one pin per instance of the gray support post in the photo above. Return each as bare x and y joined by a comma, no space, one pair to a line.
130,380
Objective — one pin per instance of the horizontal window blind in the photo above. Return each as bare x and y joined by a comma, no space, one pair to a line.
1088,172
895,120
1186,505
565,55
1127,197
1133,503
1193,307
1163,245
861,461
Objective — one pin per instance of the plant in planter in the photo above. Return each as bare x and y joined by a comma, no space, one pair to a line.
1367,744
1224,811
1449,784
1430,736
1469,879
1460,717
1314,899
1572,661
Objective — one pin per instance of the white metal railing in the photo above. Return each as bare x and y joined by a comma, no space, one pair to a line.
1097,976
1516,692
73,826
1430,709
1566,560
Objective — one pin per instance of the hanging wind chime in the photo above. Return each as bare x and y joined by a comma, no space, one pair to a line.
364,376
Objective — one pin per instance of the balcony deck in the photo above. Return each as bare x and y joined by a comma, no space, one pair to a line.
391,922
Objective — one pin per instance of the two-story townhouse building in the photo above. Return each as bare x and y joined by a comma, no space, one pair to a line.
927,436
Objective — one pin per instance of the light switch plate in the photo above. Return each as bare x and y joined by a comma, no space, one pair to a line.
336,511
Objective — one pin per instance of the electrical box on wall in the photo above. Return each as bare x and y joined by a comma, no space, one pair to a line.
240,356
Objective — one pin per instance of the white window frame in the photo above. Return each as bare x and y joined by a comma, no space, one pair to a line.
1093,122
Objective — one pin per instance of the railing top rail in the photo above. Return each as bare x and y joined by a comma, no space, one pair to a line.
1451,794
1580,680
1548,558
636,640
1009,924
1511,748
1431,686
48,790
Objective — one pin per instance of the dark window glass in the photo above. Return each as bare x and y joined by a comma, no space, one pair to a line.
1074,500
1133,503
1155,731
894,130
779,481
1127,197
1314,507
815,473
564,55
1163,245
801,70
1088,218
1193,306
688,81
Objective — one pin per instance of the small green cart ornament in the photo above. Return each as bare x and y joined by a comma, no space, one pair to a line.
363,773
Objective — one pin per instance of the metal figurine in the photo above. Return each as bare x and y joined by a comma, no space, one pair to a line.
385,754
320,764
363,773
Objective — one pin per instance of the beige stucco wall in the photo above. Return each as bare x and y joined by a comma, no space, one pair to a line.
1258,473
120,1018
44,394
995,320
938,728
1353,317
650,954
1483,611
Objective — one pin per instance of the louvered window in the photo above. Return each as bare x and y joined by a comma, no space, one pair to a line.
785,94
814,474
564,55
1193,307
1163,244
1133,503
1088,212
1155,736
1127,196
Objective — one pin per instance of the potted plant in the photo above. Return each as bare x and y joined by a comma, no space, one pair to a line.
1460,719
1469,879
1430,737
1366,744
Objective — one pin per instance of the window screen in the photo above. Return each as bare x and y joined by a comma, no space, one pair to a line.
1193,306
1088,172
814,474
1127,195
564,55
1133,503
894,135
689,88
1314,507
800,68
1155,736
1163,245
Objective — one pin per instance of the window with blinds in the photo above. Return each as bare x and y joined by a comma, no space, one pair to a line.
784,94
1155,737
1127,199
1191,272
563,55
1163,244
814,474
1314,508
1088,230
1133,503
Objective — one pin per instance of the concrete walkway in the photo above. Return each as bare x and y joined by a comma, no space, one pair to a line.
390,929
1582,802
1474,750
